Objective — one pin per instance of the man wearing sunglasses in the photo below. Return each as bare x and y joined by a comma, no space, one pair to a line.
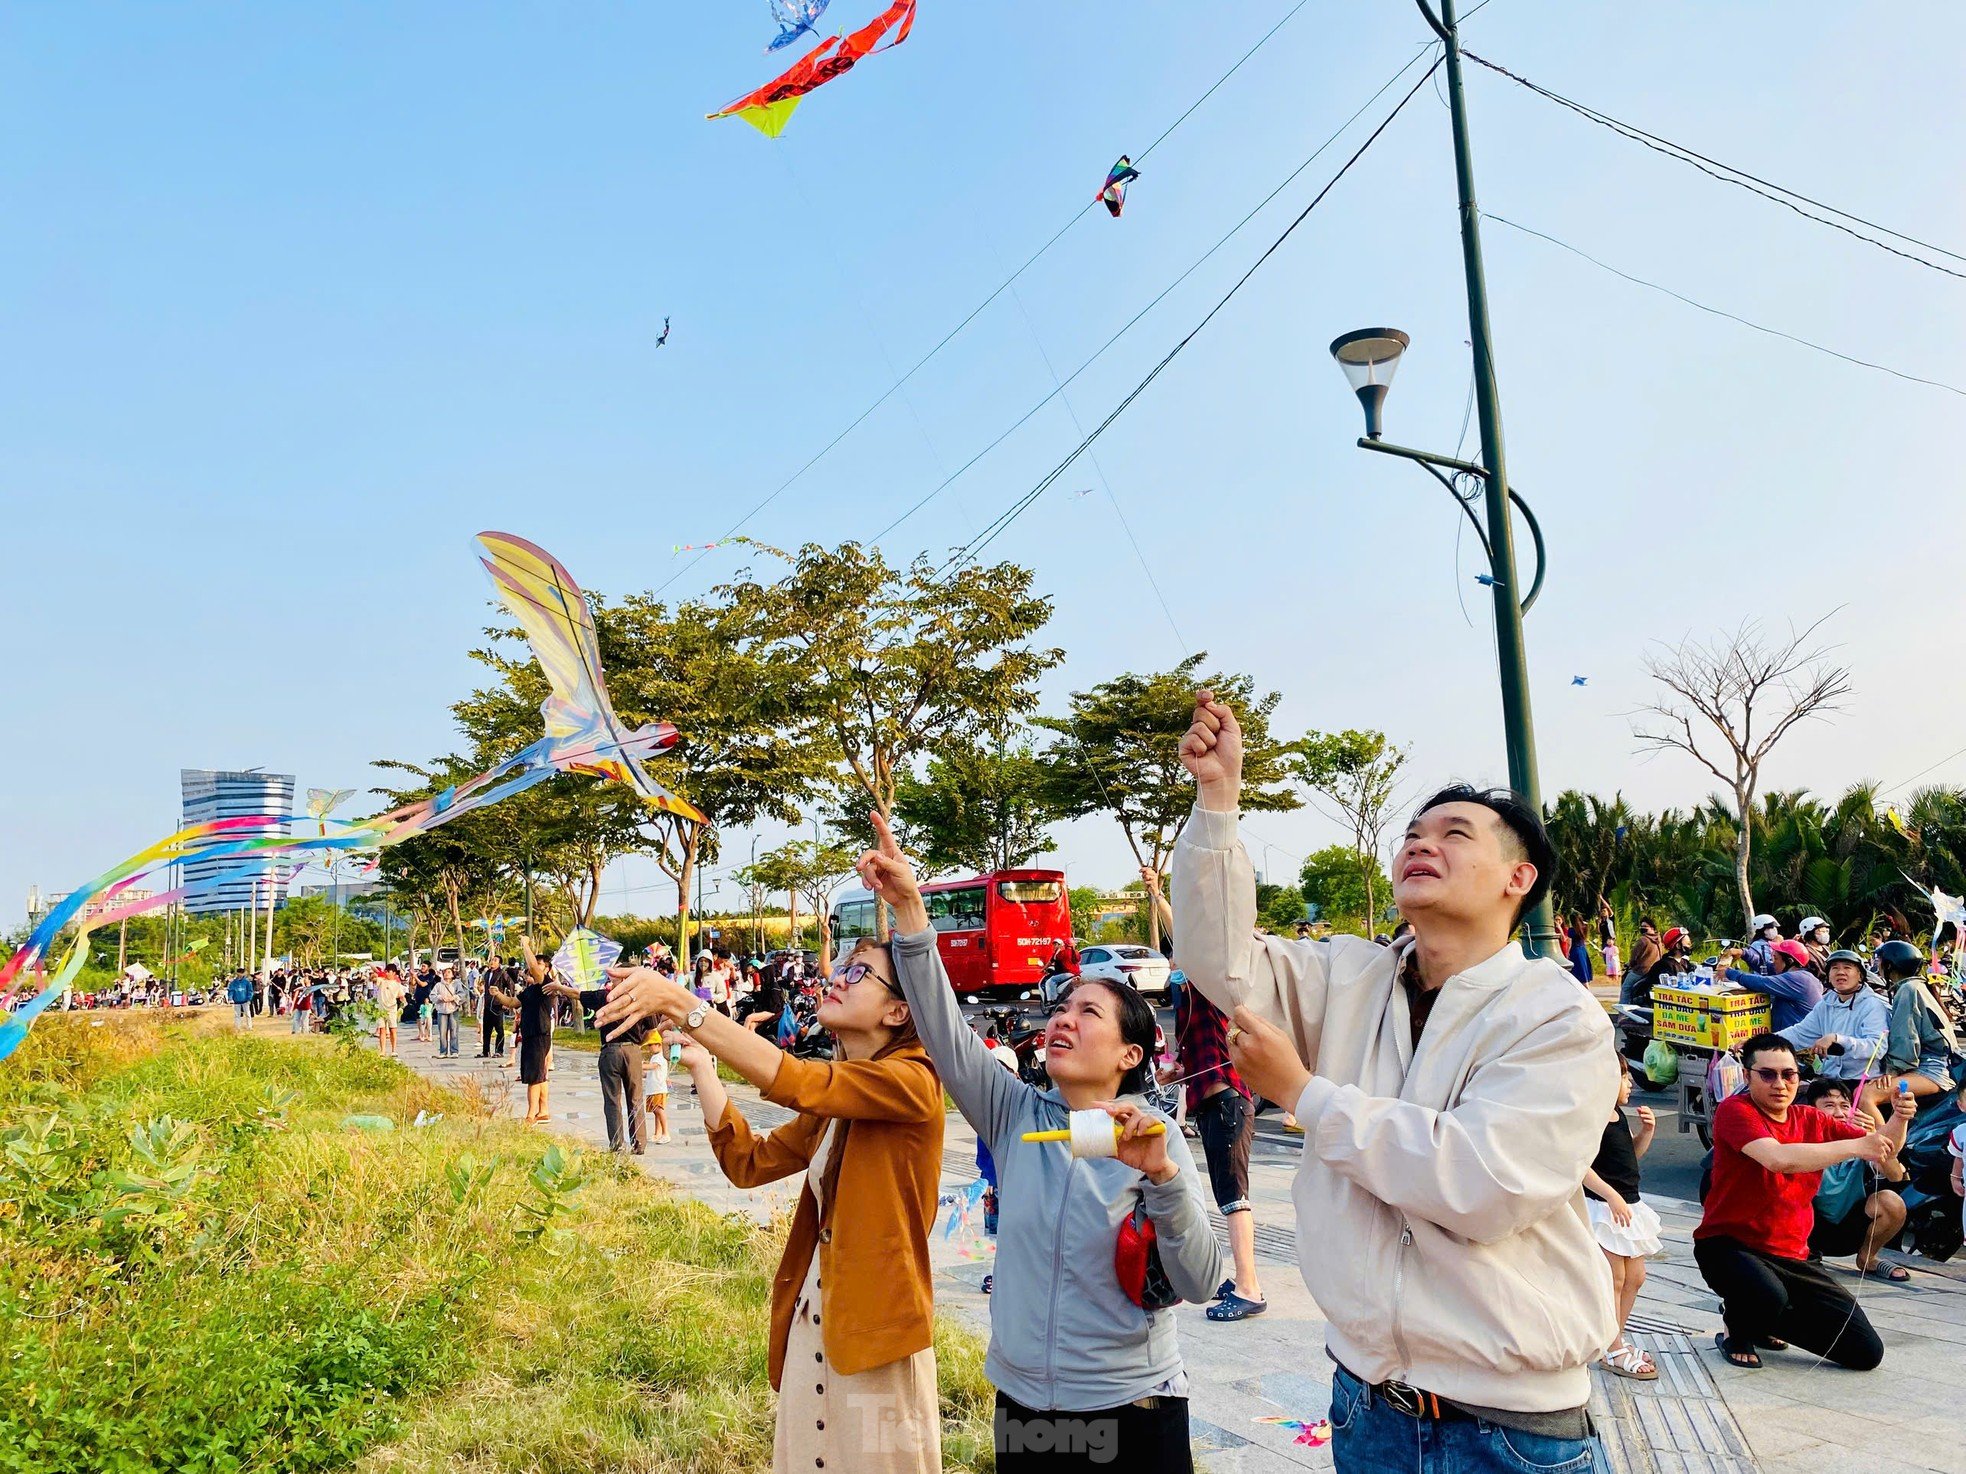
1752,1245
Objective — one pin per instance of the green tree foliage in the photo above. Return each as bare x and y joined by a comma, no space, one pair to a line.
1343,885
1844,860
983,806
1358,774
896,663
1118,753
808,870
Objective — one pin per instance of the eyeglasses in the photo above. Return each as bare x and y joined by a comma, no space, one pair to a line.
1776,1077
852,972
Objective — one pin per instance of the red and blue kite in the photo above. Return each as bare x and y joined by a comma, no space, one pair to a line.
770,108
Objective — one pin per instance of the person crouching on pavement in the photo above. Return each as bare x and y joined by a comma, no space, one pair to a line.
1452,1090
1856,1212
1752,1244
852,1304
1086,1363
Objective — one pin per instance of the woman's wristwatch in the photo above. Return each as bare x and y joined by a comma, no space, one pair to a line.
693,1020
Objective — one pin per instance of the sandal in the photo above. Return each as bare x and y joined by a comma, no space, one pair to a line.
1772,1343
1744,1357
1235,1307
1628,1361
1897,1274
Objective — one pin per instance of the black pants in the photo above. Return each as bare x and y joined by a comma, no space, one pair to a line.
490,1027
1139,1440
621,1072
1789,1299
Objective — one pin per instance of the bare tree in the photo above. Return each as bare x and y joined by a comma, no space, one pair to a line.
1750,690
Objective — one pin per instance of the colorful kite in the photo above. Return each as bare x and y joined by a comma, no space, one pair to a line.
584,958
1117,178
771,107
322,802
1312,1435
676,550
583,735
795,18
1580,680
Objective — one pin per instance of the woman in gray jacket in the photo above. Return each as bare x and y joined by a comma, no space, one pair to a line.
1084,1373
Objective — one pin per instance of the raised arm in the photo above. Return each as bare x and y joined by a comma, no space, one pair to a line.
987,1094
1216,945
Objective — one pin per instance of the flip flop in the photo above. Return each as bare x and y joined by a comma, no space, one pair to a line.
1897,1274
1734,1355
1234,1307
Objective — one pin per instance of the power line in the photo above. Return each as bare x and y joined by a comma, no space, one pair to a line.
1739,178
1721,312
1018,507
976,311
1154,302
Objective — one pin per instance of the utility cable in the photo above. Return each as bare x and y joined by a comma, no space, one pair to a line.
1740,178
975,312
1160,296
1017,508
1721,312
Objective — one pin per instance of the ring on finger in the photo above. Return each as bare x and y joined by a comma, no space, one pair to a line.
1235,1033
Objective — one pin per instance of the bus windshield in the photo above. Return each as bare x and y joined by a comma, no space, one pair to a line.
1029,892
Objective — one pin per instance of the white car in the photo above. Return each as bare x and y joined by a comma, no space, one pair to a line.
1127,962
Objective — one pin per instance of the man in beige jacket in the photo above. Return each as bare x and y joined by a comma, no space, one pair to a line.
1452,1091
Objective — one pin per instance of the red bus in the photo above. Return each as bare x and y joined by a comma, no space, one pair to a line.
996,932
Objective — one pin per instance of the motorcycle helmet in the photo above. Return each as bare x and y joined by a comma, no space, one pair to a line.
1897,959
1673,937
1794,951
1809,924
1761,923
1844,954
1661,1063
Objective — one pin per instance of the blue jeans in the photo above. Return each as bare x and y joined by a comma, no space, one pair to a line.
1368,1436
446,1033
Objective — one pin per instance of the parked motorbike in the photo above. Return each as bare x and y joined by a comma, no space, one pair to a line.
1026,1041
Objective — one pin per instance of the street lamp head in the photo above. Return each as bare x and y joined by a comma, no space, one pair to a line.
1369,357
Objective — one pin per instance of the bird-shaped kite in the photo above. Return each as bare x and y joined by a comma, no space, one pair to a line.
322,802
583,735
795,18
1113,192
1944,908
1580,680
771,107
663,341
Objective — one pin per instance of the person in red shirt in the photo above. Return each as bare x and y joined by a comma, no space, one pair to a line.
1752,1244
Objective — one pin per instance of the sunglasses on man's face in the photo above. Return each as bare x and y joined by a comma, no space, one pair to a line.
852,972
1776,1077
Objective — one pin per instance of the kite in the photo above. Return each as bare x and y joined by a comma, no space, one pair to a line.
676,550
1580,680
795,18
1897,822
771,107
322,802
1113,193
585,957
191,951
664,339
583,735
1944,908
1312,1435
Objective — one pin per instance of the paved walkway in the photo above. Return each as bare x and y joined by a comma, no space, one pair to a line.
1793,1418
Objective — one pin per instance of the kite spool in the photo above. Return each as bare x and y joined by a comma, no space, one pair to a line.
1092,1134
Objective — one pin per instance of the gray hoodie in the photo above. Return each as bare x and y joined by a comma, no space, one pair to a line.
1063,1335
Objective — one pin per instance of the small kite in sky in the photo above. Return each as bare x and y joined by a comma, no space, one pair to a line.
1580,680
795,18
664,339
676,550
1487,580
771,107
1082,495
1117,179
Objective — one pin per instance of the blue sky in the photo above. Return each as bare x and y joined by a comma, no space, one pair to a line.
296,299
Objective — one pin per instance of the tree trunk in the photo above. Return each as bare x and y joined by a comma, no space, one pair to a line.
792,919
1743,840
1153,912
1371,896
685,956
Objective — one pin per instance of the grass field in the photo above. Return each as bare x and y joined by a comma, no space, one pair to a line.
203,1268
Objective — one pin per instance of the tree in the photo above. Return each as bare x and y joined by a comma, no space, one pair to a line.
807,868
983,806
1340,882
1119,752
1752,691
897,663
1358,774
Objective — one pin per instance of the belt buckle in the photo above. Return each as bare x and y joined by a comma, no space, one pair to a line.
1402,1397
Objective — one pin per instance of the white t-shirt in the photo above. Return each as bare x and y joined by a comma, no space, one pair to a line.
655,1072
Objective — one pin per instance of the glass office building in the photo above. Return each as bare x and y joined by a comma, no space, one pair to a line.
212,795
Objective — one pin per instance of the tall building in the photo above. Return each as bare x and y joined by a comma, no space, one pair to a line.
212,795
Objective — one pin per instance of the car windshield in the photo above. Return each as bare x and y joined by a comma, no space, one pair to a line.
1132,952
